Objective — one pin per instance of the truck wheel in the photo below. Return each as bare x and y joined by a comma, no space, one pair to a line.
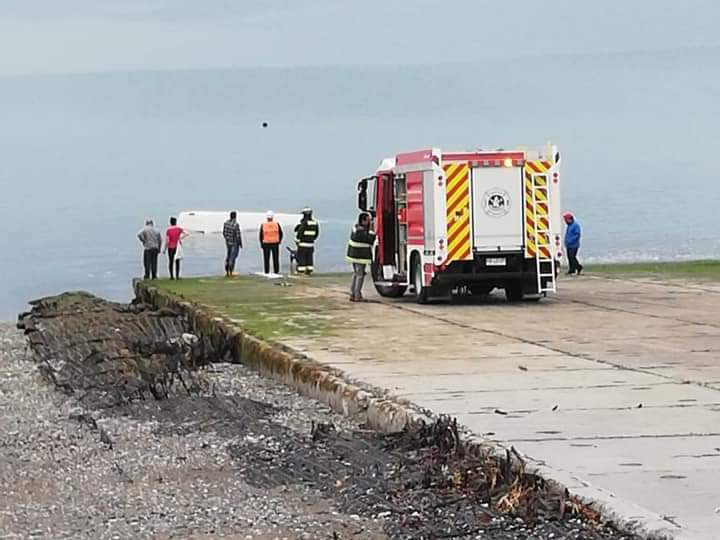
390,291
513,291
386,291
421,293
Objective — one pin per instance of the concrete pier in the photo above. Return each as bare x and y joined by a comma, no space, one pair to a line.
611,387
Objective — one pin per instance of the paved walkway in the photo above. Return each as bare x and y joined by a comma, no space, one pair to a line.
612,386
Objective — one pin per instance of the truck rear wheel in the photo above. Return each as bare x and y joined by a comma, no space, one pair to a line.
386,291
421,292
514,291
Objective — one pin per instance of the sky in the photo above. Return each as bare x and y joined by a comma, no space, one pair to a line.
85,36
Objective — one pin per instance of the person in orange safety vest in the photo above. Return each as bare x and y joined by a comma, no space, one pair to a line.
271,235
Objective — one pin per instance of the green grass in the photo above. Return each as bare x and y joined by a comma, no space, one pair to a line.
263,307
705,270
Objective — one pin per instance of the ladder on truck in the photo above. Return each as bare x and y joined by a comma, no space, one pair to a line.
547,280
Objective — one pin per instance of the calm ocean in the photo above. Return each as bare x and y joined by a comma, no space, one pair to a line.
85,158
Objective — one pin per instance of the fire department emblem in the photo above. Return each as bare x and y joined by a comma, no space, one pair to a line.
496,202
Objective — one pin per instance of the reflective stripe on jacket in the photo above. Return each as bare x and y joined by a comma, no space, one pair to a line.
306,232
359,249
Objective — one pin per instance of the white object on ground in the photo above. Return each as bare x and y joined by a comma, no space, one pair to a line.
212,222
269,276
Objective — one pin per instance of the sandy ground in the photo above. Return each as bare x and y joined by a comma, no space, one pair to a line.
612,386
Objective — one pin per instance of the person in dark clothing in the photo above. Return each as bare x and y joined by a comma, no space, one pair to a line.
306,232
359,253
151,240
233,243
572,243
271,236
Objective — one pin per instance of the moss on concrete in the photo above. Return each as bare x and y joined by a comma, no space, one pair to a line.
269,309
705,270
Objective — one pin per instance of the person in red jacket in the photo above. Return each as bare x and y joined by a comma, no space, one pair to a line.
271,235
173,239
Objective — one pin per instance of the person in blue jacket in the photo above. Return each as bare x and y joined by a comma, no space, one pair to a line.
572,243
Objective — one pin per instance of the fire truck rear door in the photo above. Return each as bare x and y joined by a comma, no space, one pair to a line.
497,202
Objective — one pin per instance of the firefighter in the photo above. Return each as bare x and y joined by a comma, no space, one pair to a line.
572,243
306,232
359,253
271,235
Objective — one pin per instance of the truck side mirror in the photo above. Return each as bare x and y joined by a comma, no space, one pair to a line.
362,195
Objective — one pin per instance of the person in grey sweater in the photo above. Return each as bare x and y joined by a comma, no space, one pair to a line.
151,239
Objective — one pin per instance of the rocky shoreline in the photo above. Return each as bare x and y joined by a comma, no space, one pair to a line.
228,453
151,469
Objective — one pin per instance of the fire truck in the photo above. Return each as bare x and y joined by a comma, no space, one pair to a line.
465,222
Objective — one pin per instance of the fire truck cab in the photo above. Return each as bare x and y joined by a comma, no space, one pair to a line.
465,221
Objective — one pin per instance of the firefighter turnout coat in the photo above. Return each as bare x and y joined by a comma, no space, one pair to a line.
306,232
359,249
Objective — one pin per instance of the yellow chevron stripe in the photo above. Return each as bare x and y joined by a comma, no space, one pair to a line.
542,166
537,216
456,174
450,171
459,224
458,246
462,197
458,202
458,251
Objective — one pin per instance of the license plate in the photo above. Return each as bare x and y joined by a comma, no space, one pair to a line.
499,261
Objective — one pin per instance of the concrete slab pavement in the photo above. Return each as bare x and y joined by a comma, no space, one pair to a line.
630,367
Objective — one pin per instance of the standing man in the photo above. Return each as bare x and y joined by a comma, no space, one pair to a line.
359,253
271,235
151,240
572,243
233,243
306,232
173,237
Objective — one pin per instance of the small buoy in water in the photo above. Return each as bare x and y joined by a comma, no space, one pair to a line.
265,124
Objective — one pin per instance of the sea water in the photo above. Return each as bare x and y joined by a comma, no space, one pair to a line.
84,159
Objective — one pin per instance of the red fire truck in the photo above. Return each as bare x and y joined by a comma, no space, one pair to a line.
465,221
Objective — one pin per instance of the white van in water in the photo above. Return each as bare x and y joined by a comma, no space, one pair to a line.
209,222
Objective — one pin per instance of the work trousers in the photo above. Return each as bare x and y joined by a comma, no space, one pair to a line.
150,260
574,264
274,250
173,263
305,259
233,251
358,279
